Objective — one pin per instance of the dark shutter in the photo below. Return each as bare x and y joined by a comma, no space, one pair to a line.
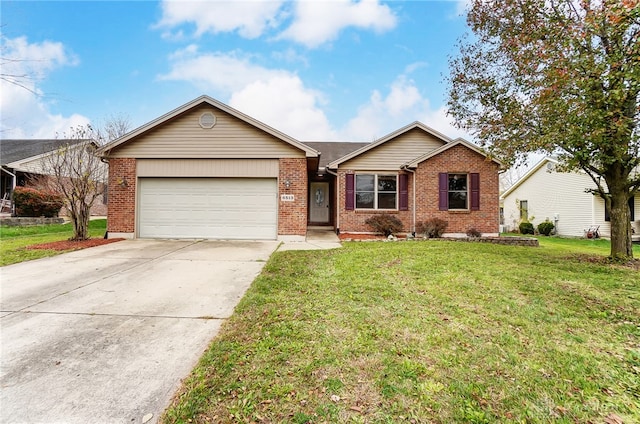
443,189
475,192
349,193
404,192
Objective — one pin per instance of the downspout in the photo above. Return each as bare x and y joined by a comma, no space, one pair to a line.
413,223
337,199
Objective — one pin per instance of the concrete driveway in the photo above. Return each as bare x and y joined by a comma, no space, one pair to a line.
106,334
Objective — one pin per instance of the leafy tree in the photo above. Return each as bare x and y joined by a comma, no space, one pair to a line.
562,77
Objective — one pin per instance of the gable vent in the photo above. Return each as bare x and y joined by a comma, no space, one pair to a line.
207,120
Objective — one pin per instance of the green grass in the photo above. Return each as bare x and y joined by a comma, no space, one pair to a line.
426,332
13,240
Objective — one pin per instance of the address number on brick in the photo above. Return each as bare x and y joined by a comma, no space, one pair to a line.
287,198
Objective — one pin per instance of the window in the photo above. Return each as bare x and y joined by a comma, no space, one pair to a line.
374,191
458,194
458,191
632,210
524,210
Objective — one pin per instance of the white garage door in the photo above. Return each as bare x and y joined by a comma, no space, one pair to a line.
216,208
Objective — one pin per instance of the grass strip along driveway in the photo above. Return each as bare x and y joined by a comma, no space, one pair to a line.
427,332
15,240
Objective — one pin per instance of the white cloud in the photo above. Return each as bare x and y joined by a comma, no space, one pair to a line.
249,18
23,107
285,102
312,22
222,72
402,105
280,98
318,22
276,97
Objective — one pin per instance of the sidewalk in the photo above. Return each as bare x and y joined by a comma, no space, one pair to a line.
318,238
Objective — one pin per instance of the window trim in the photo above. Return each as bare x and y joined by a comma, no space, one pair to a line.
375,191
467,191
524,218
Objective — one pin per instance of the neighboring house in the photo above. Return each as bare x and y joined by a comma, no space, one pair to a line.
206,170
23,164
543,193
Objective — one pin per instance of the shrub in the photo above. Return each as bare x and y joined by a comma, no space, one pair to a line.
431,228
526,228
35,203
545,228
385,224
473,232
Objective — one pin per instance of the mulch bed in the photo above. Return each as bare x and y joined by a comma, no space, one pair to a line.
73,245
351,236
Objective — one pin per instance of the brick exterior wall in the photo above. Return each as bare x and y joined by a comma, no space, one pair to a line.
122,197
292,216
352,221
459,159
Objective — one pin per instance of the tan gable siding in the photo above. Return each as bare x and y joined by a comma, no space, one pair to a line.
182,137
396,152
208,168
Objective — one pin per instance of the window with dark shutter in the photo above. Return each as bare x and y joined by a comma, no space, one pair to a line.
349,193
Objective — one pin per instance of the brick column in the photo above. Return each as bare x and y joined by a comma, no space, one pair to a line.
292,215
121,216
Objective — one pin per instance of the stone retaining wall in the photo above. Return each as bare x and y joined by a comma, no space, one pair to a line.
26,222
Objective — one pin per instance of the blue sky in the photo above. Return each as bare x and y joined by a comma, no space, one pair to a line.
316,70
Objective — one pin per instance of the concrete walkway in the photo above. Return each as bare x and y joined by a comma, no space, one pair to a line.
318,238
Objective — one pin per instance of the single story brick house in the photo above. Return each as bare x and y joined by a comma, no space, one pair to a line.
206,170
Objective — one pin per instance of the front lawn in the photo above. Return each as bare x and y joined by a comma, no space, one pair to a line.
14,240
426,332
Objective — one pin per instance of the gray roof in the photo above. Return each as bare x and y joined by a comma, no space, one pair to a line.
332,150
14,150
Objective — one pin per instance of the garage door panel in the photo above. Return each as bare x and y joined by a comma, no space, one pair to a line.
223,208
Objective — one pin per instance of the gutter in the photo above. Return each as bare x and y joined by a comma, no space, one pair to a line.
413,224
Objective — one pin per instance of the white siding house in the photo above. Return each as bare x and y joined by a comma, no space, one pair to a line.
543,193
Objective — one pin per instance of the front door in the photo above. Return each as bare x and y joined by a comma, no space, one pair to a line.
319,203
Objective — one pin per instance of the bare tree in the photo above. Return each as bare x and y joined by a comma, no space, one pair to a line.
78,174
115,126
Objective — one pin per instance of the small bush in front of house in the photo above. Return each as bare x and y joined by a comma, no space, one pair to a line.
385,223
30,202
526,228
473,233
545,228
432,228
